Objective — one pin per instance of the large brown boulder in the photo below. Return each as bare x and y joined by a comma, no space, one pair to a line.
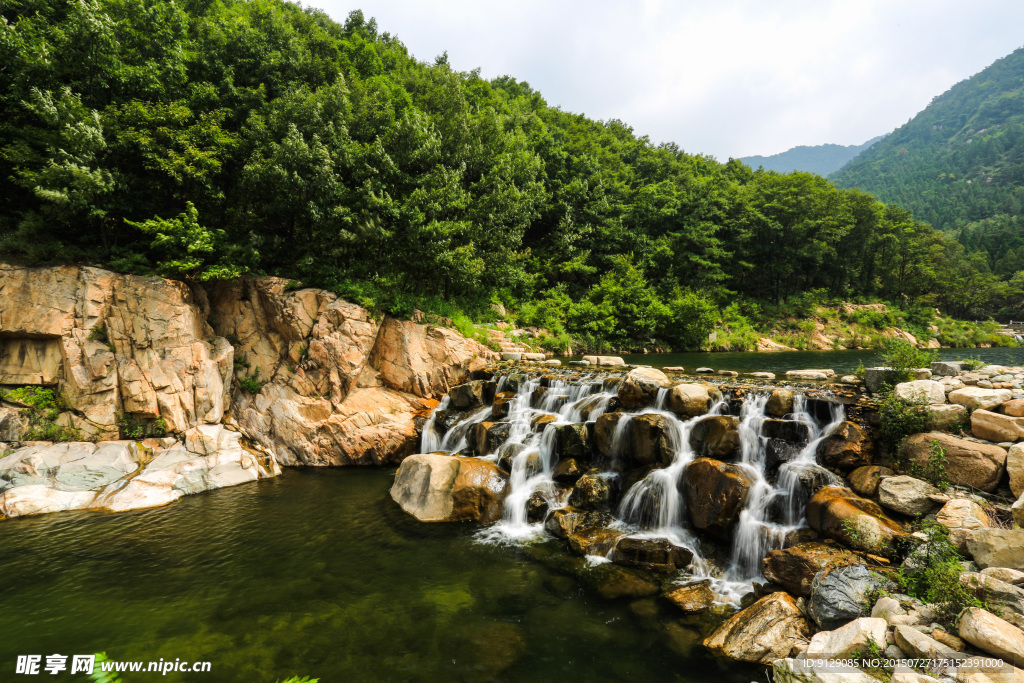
962,517
657,554
572,441
717,436
780,403
650,439
992,635
794,568
848,447
841,514
996,426
442,488
864,480
688,400
715,494
639,388
604,432
968,463
772,628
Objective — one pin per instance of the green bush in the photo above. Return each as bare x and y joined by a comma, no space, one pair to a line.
898,420
133,427
252,384
903,357
932,574
43,409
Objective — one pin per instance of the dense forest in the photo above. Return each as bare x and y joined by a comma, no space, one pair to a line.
208,138
959,165
820,159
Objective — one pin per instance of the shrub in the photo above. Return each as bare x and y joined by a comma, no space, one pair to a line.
903,357
932,574
43,409
252,384
133,427
899,419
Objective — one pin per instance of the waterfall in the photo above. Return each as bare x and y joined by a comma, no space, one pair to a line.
792,489
431,440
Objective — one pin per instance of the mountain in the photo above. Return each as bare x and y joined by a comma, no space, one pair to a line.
820,159
959,164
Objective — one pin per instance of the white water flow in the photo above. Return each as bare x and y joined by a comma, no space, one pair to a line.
431,440
806,462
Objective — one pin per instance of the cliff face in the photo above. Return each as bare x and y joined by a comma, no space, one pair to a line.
340,386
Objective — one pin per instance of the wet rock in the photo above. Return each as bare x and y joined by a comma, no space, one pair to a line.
692,599
780,403
813,478
778,452
445,420
604,431
657,554
841,595
592,492
787,430
516,381
852,639
962,516
566,521
968,463
572,441
502,405
717,436
921,391
715,492
444,488
997,548
794,568
613,582
996,426
907,495
848,447
488,436
640,387
567,472
507,452
596,541
770,629
468,395
539,422
864,480
651,440
688,400
856,522
993,635
978,398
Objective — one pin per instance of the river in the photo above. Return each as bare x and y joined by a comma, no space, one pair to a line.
319,573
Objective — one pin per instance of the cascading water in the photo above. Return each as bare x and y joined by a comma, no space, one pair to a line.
789,479
431,440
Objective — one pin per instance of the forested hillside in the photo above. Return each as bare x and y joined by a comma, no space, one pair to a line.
820,159
208,138
959,165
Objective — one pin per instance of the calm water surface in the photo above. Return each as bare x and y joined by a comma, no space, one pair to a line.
842,362
319,573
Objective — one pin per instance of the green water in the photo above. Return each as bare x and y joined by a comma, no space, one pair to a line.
842,362
319,573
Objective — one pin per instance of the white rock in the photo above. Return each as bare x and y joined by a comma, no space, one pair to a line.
907,495
974,398
993,635
848,639
921,391
917,644
811,671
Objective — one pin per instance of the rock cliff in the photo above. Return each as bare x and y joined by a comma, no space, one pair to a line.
325,381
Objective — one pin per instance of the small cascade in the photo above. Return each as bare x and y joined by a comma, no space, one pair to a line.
793,494
431,441
531,471
456,439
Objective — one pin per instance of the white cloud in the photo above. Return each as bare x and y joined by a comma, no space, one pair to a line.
728,78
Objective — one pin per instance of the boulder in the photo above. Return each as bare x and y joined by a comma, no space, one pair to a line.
652,440
1015,469
907,495
864,480
794,568
688,400
975,398
842,515
604,433
920,391
1010,576
487,437
996,426
770,629
999,596
945,416
779,403
572,441
763,375
605,361
792,431
851,640
849,446
442,488
1014,408
968,463
693,599
841,595
875,379
639,388
813,671
657,554
997,548
715,494
814,375
567,472
917,644
564,522
993,635
591,492
947,368
962,516
717,436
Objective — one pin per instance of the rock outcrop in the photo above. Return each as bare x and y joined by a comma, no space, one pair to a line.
443,488
772,628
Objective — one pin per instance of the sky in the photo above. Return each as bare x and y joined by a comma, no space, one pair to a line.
729,78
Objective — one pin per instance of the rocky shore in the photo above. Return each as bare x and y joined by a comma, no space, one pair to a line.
771,519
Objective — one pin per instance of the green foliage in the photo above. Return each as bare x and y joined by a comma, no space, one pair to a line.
898,419
932,574
44,407
133,427
903,357
252,384
973,363
100,676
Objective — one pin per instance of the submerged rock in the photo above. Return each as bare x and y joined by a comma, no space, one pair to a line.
770,629
715,494
447,488
792,431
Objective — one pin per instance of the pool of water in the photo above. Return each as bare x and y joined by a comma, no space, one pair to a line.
842,362
319,573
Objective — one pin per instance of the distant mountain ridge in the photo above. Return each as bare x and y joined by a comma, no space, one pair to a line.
820,159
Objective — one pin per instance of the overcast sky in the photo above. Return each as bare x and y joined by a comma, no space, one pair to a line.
730,78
